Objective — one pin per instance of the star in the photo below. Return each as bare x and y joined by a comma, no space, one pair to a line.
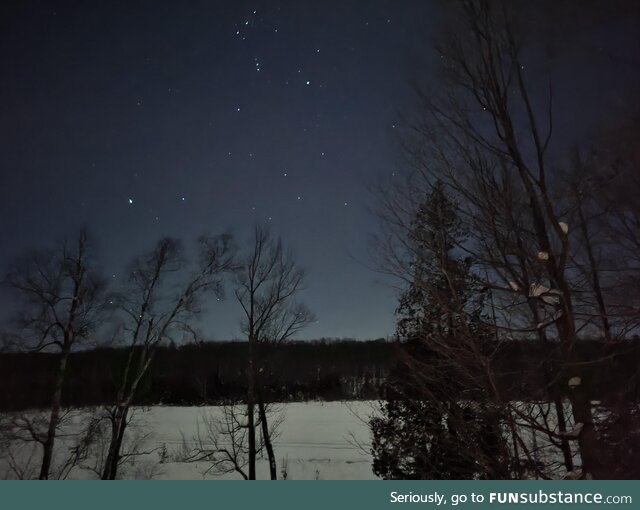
308,82
131,201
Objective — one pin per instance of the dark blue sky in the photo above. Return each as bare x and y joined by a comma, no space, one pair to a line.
146,119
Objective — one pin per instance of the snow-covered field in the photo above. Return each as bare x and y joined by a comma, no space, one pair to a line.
317,440
314,440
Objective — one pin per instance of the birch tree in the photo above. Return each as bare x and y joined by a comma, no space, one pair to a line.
162,298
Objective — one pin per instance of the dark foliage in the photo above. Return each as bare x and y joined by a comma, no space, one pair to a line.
435,423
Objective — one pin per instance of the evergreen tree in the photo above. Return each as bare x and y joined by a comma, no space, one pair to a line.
435,423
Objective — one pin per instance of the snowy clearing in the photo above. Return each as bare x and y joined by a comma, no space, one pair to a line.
317,440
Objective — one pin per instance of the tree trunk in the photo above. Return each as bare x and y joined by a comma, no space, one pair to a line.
562,428
54,419
267,438
250,411
118,427
588,439
580,405
551,376
119,422
595,278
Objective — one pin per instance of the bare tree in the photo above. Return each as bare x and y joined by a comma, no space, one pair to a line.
222,440
534,233
268,281
21,438
62,300
159,303
606,182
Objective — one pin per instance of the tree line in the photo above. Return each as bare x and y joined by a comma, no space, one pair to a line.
213,373
512,249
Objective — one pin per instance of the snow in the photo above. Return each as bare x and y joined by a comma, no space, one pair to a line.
564,227
317,440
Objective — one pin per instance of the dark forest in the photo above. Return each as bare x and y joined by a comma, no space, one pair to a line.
326,369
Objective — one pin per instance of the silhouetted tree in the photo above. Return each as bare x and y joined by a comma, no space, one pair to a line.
436,422
268,281
161,299
61,295
533,228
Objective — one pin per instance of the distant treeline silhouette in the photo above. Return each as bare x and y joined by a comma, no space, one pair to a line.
214,372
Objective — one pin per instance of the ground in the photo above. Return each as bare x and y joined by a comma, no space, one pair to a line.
317,440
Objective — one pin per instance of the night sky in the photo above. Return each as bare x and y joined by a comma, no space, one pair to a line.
146,119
